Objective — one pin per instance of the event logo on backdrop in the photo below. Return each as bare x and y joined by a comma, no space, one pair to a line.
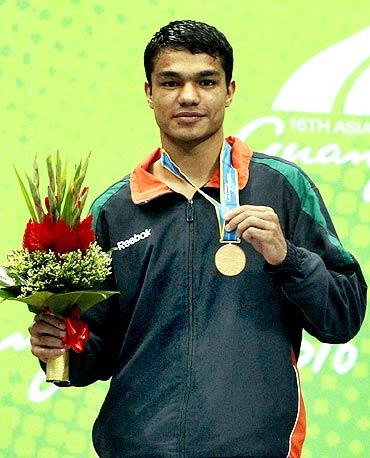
328,97
323,118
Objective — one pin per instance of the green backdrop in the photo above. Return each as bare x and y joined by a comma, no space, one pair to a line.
71,78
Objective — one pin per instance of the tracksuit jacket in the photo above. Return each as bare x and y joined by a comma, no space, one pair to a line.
204,365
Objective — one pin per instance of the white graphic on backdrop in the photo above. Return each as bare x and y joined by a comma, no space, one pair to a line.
358,98
314,87
16,341
37,391
345,356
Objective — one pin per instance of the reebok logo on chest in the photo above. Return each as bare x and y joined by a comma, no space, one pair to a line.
123,244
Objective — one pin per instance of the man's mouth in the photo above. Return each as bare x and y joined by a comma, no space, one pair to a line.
188,116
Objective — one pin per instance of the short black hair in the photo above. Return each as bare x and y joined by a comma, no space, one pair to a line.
196,37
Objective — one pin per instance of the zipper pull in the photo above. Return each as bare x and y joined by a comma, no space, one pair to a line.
190,211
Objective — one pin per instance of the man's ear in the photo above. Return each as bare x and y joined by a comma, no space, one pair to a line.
230,93
148,93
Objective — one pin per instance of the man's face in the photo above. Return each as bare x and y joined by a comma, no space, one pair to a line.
188,96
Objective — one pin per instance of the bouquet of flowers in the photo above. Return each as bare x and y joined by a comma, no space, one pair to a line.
60,262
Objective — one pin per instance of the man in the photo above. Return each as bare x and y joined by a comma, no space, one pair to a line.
203,344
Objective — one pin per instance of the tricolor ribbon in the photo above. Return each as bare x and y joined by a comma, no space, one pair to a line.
229,195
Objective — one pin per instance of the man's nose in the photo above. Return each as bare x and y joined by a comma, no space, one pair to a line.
189,94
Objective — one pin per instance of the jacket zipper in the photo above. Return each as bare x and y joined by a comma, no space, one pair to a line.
190,220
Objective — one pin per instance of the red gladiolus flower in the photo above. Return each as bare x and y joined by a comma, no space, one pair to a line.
84,233
58,236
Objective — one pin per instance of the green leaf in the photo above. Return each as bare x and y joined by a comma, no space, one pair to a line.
77,210
67,209
49,163
60,183
36,193
37,301
58,170
78,184
63,181
80,177
86,164
77,173
9,278
61,193
52,203
5,278
61,303
36,198
26,197
36,175
9,293
10,284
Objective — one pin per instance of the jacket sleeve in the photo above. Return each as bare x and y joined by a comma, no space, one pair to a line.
319,278
107,327
100,357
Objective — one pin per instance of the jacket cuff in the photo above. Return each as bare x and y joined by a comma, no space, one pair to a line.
292,262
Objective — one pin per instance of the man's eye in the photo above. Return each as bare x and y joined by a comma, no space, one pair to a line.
207,82
169,83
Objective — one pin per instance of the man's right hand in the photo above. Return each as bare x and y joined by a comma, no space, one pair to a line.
47,332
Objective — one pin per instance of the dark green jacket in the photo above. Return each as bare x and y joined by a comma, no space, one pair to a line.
203,364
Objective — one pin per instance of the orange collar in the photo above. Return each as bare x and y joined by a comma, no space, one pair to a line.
145,186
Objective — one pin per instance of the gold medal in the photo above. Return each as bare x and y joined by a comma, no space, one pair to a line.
230,259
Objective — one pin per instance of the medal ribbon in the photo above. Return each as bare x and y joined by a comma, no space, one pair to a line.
229,195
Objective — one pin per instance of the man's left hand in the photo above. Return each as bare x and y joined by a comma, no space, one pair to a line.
260,226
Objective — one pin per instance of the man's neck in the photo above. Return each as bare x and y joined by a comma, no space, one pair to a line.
197,161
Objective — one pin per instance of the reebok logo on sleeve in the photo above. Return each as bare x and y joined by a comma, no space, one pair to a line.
123,244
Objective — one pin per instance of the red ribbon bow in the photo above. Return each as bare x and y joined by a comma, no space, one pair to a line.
77,332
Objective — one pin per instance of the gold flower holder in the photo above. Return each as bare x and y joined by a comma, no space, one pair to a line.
57,370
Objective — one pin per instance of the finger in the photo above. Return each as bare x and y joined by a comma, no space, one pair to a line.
43,328
51,319
253,222
46,342
266,216
44,354
242,208
254,233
